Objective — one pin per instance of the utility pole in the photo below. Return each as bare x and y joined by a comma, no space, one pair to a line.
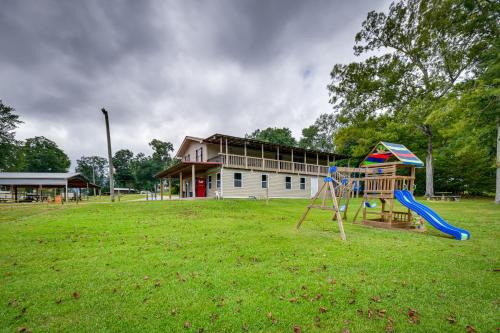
110,157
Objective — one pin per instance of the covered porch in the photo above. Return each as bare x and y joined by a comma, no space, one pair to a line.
191,176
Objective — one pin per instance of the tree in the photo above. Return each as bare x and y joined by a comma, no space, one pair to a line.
281,136
93,168
43,155
9,121
320,134
161,151
430,47
122,162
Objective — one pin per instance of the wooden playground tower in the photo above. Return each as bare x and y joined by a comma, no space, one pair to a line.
388,167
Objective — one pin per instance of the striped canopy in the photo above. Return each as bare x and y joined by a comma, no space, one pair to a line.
385,150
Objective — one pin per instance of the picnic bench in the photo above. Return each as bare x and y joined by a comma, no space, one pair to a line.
445,196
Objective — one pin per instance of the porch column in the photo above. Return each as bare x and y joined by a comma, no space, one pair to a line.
220,145
317,159
278,149
161,188
293,164
170,188
226,147
180,185
328,160
262,150
15,193
246,158
66,191
305,161
193,181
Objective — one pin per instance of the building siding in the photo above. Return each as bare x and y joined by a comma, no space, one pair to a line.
251,185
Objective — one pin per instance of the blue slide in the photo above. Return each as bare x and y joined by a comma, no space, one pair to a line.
406,198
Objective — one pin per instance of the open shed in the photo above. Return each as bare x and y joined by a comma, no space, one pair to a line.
37,181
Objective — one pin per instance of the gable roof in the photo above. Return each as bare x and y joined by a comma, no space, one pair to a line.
185,144
384,151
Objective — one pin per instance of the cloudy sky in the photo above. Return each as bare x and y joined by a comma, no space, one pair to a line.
166,69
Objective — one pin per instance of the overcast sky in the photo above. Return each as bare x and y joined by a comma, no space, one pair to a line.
166,69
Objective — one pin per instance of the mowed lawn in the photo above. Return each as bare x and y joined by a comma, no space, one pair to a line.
240,265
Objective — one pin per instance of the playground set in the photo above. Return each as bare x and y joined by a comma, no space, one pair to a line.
387,174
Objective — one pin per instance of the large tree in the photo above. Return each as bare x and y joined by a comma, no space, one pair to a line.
122,162
320,134
43,155
8,144
282,136
424,49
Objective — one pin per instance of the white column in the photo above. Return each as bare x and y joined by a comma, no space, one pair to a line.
193,181
246,158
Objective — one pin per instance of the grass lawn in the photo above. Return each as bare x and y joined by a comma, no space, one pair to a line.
240,265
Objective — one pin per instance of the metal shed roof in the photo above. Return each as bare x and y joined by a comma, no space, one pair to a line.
50,179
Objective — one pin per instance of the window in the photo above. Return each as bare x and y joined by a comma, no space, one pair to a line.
264,181
187,158
237,179
209,182
218,180
201,154
288,182
302,183
196,157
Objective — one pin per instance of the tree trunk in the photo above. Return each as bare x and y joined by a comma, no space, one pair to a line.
429,169
497,196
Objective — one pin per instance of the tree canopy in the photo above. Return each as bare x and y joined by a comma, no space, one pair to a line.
9,121
424,50
40,154
282,136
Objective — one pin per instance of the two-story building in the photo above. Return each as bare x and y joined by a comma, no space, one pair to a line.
232,167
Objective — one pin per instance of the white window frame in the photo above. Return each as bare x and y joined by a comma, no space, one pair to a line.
264,181
286,183
209,182
302,185
241,179
218,179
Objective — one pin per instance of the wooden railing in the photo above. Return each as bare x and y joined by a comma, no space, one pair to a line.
266,164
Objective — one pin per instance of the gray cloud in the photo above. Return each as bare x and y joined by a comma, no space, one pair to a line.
169,69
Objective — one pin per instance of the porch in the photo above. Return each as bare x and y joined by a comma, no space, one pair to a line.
191,176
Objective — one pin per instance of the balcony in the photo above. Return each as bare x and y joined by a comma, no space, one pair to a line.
272,165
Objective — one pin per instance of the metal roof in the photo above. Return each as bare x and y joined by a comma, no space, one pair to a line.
37,175
48,179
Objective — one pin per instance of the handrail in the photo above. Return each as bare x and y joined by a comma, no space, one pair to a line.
267,164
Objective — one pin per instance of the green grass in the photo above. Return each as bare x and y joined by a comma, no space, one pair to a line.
238,265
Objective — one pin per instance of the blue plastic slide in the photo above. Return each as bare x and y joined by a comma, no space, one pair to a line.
406,198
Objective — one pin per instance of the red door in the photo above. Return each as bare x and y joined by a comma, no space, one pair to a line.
200,187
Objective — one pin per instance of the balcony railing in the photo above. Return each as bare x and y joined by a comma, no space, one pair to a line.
266,164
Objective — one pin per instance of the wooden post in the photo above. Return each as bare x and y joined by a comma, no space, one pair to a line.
193,181
317,159
15,193
66,191
278,152
181,185
170,188
305,157
110,159
246,158
161,188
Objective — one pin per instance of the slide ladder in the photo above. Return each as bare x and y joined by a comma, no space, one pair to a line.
406,198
